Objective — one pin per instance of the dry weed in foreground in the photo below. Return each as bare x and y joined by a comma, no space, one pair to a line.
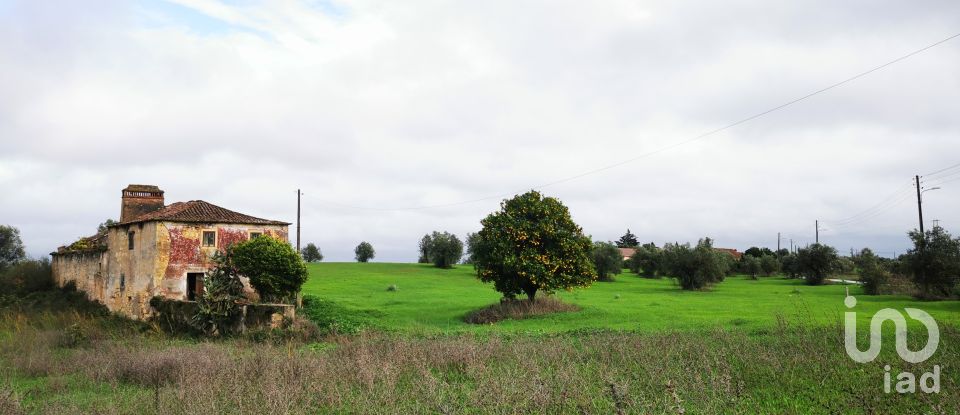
518,309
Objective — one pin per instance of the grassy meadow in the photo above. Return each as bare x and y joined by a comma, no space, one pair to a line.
635,346
431,300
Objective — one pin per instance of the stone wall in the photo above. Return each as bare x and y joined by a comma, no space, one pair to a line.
163,254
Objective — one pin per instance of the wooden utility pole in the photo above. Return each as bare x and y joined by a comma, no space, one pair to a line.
816,224
778,243
298,220
919,205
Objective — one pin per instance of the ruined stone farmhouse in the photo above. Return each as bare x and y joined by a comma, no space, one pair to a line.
155,250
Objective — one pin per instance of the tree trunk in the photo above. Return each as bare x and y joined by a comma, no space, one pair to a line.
531,293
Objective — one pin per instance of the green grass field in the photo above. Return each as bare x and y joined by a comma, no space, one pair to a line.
636,346
431,300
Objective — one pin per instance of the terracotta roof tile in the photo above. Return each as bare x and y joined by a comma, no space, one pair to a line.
198,211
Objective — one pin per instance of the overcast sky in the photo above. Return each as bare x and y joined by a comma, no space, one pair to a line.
374,107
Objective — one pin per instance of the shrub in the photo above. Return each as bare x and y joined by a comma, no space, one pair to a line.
11,247
218,308
516,310
607,260
311,253
816,262
531,244
444,250
934,262
769,265
364,252
274,268
27,277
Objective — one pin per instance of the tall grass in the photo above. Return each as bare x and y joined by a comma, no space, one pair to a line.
790,369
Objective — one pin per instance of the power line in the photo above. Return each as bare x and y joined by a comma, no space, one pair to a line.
670,146
879,206
942,170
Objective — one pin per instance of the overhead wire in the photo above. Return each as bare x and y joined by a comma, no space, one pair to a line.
664,148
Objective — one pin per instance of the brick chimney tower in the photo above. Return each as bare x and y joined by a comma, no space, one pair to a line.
139,199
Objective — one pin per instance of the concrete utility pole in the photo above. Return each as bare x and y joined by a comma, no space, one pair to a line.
816,224
778,243
298,220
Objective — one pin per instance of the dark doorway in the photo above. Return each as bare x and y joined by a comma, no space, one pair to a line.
194,285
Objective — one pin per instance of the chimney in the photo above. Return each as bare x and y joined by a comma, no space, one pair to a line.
139,199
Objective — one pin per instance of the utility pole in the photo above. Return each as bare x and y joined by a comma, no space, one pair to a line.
816,224
919,205
778,243
791,245
298,220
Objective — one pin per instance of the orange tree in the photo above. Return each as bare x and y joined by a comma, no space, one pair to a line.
531,244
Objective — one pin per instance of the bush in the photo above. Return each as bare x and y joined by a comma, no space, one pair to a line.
444,250
934,262
218,309
27,277
816,262
311,253
274,268
516,310
364,252
531,244
607,260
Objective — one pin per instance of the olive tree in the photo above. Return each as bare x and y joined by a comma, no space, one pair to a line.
646,260
364,252
473,239
816,262
695,268
311,253
274,268
444,249
872,273
769,265
934,261
531,245
424,248
750,266
607,260
11,247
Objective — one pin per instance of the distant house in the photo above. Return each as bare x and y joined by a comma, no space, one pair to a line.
155,250
733,252
627,252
